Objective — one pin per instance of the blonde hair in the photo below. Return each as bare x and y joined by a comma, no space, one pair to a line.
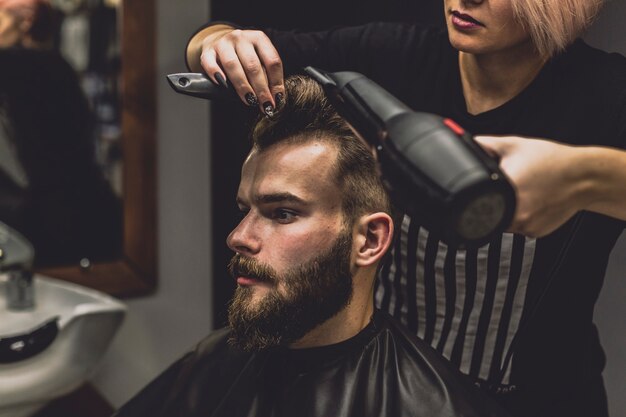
23,8
554,24
41,15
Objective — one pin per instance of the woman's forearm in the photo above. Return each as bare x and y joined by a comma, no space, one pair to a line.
554,181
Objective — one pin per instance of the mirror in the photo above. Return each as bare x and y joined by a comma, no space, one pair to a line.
133,271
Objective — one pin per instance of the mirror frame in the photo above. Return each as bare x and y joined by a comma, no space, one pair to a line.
135,273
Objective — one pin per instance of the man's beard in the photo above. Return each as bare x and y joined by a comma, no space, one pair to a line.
315,292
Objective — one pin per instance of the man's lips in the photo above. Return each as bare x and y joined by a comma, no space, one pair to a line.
246,280
463,20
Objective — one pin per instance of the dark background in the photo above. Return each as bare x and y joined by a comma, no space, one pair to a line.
230,123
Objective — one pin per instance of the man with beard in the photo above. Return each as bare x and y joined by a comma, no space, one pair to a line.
304,338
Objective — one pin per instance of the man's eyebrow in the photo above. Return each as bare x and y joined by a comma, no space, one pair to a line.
278,198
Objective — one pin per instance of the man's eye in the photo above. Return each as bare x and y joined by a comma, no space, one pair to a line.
242,213
283,216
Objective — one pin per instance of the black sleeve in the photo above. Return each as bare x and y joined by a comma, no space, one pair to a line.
608,84
620,107
599,86
389,53
68,200
392,54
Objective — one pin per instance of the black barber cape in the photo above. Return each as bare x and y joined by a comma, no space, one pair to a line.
381,372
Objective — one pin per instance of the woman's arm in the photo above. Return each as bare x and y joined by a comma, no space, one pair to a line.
253,61
246,58
554,181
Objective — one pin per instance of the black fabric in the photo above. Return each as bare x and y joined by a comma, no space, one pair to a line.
68,211
578,98
382,371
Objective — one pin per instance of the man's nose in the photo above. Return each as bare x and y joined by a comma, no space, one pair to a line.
244,239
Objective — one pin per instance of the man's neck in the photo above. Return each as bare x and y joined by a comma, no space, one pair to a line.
346,324
490,80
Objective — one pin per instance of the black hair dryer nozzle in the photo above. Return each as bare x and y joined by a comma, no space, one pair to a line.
433,168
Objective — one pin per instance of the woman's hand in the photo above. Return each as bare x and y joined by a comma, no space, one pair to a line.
554,181
246,58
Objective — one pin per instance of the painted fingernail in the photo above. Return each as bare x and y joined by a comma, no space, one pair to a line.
279,99
220,80
251,100
268,109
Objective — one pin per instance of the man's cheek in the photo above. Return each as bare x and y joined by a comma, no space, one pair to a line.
257,295
283,290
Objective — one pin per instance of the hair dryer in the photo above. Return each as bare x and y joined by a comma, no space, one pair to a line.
432,167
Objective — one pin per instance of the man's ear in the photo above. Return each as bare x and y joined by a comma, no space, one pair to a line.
374,236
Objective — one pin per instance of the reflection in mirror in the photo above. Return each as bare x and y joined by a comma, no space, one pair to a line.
89,39
60,158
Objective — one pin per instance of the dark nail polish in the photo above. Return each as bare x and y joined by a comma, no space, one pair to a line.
279,99
251,100
220,80
268,109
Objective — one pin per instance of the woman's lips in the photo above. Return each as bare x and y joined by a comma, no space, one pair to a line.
464,21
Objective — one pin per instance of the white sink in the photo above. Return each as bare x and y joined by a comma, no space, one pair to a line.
61,361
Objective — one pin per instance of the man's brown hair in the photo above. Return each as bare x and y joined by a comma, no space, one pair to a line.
307,116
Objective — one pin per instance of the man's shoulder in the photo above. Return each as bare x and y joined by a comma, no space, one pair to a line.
214,343
406,346
214,353
428,381
210,366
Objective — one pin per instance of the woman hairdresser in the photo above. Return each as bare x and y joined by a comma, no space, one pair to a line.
514,315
